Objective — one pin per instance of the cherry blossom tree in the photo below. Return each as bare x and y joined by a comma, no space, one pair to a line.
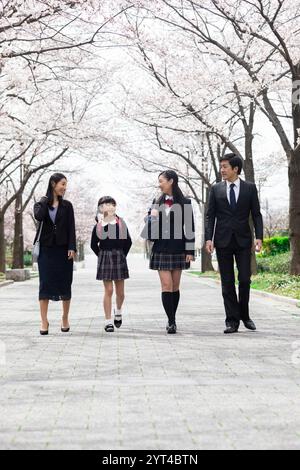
269,71
181,101
47,98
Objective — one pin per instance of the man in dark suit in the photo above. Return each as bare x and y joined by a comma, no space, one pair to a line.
228,230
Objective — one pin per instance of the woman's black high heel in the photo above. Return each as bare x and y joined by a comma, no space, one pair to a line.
44,332
65,330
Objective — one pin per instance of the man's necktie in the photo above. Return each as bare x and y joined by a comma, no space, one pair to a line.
232,196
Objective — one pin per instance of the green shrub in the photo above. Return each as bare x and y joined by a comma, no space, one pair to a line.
275,246
27,259
274,264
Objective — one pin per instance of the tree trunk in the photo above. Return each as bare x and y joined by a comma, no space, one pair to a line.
294,179
294,213
206,260
248,165
254,267
250,176
80,252
2,246
18,243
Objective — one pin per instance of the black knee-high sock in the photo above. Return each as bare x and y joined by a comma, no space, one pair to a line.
176,299
167,300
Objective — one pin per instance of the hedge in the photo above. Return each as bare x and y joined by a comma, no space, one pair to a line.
274,264
275,246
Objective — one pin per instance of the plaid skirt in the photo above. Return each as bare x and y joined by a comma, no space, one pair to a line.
112,266
168,262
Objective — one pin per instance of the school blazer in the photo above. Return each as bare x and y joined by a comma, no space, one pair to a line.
172,235
114,237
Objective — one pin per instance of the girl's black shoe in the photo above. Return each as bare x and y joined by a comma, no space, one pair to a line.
118,322
109,328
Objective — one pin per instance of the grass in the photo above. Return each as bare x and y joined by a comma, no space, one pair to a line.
280,284
273,277
208,274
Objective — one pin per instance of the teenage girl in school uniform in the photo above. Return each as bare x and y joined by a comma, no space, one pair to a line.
171,218
111,242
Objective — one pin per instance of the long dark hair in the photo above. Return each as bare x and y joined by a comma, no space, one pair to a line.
177,193
56,178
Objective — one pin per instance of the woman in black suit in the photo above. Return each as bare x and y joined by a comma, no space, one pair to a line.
57,250
171,227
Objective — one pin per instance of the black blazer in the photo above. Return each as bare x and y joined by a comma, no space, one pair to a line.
171,236
63,231
222,221
112,239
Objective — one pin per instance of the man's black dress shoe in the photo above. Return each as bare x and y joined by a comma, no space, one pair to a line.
231,329
250,325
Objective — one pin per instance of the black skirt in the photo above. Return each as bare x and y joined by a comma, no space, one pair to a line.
56,273
112,266
168,262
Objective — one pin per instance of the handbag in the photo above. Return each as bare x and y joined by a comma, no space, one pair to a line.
150,232
37,246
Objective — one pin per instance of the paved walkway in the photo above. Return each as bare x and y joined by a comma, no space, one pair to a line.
142,389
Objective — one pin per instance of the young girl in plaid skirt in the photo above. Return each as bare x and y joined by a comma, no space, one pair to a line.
111,243
170,225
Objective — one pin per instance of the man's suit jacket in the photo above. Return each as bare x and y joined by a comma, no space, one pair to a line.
222,222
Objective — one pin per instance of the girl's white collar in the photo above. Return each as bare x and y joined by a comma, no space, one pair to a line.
111,222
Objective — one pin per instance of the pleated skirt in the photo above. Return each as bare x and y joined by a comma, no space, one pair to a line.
168,262
112,266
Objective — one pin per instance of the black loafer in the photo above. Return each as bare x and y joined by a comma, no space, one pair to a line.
118,322
109,328
250,325
230,330
172,330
